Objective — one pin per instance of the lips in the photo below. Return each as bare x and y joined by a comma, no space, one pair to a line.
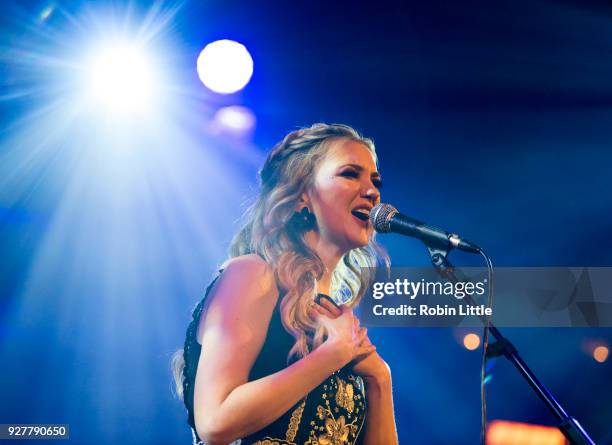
361,214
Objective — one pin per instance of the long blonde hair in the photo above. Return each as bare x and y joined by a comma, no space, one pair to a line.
274,232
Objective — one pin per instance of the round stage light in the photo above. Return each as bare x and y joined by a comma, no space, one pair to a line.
225,66
471,341
121,78
600,354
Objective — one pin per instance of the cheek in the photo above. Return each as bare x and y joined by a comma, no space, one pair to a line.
335,198
337,186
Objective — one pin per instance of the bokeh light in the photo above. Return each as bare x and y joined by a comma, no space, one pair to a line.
225,66
235,118
471,341
600,353
502,432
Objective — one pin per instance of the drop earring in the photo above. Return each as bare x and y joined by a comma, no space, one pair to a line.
306,219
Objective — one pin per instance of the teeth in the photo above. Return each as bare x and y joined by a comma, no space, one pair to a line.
362,214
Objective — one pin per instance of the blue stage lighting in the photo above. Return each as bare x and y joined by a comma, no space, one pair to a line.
225,66
121,78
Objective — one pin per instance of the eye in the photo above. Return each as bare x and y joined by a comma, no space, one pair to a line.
350,174
377,183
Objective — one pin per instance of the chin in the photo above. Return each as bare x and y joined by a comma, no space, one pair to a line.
359,241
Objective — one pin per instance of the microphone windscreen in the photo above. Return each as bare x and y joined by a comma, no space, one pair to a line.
380,217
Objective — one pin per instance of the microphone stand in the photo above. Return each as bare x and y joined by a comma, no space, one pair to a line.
569,426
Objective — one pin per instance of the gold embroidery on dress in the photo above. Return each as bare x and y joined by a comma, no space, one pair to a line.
337,421
360,399
294,423
269,442
335,432
344,395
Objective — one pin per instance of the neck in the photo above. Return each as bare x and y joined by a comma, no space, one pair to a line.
329,253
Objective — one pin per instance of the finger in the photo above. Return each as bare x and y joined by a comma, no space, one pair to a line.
366,345
330,307
321,312
365,341
367,350
364,352
313,311
328,313
359,336
362,335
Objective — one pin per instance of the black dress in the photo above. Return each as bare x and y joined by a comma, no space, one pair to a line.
331,414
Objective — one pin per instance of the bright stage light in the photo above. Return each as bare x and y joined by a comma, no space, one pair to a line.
121,78
235,118
225,66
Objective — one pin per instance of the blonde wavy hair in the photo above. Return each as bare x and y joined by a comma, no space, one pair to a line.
273,231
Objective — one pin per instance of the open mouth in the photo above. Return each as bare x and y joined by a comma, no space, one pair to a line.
361,214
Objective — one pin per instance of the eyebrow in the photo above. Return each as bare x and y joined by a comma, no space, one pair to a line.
360,169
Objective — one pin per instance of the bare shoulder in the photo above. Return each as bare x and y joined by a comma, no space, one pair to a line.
245,290
252,272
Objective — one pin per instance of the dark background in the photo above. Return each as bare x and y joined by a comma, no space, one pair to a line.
491,119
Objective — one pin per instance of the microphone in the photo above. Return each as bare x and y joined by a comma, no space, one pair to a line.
385,218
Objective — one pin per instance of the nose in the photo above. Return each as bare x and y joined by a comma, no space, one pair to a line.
371,193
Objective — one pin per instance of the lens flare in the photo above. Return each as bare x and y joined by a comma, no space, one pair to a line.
121,78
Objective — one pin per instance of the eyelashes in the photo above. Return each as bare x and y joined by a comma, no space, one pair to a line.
354,174
350,174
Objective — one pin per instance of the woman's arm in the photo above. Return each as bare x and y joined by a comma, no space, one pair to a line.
380,419
254,405
226,405
380,426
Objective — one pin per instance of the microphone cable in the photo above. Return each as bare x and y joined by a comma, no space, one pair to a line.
485,347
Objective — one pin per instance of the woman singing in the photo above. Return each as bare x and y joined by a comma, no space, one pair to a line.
268,358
